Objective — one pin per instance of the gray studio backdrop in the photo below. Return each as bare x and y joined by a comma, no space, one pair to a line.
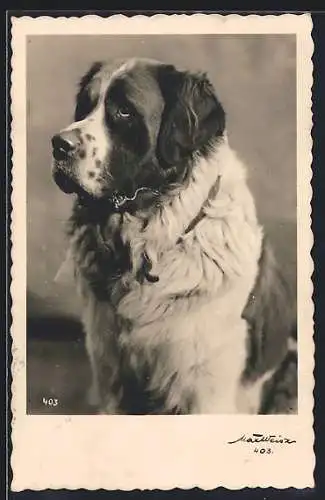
255,78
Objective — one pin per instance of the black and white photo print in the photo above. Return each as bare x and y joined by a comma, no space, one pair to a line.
166,209
171,184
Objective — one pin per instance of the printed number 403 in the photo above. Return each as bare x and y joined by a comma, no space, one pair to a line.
50,401
267,451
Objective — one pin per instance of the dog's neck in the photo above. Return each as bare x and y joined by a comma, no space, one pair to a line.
213,178
147,233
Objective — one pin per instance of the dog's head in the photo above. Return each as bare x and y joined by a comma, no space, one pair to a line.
137,125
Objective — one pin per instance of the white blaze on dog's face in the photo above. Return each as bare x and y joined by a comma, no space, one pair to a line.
137,123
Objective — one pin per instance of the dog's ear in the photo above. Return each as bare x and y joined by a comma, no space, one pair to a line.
271,316
87,94
192,115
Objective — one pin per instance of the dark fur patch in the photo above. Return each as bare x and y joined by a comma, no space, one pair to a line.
130,138
130,132
281,392
111,256
270,313
93,70
86,100
193,116
91,175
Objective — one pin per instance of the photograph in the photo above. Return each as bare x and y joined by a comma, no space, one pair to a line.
161,209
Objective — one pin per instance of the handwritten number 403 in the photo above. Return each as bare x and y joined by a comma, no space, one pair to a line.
263,451
50,401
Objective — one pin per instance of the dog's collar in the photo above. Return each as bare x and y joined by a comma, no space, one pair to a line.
201,214
121,202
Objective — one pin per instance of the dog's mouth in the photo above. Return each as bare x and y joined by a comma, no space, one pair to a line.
70,186
65,183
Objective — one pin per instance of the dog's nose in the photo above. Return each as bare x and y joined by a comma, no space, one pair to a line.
64,145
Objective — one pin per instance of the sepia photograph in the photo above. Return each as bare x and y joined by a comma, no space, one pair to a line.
161,207
161,281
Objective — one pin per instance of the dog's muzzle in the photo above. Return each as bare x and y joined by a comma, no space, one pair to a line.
64,148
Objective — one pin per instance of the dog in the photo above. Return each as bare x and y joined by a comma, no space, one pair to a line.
184,307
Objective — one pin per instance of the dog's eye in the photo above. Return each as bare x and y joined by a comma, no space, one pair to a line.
122,114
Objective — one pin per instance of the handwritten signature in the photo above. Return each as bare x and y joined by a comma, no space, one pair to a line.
263,438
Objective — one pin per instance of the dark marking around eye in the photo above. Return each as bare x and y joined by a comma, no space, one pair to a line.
91,174
82,154
117,103
131,131
94,152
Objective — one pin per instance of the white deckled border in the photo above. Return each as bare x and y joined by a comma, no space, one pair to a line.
123,452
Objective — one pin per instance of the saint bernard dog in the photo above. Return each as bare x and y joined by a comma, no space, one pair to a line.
183,305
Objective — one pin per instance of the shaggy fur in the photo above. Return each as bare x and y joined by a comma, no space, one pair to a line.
183,307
